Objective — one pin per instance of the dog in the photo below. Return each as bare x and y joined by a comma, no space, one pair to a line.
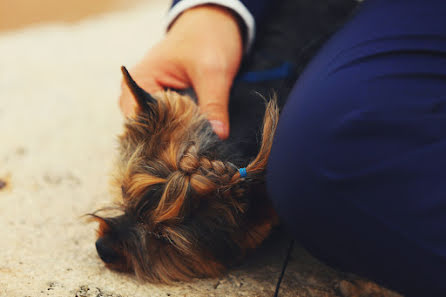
187,209
191,204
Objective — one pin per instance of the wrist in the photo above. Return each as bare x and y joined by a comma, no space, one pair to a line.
207,16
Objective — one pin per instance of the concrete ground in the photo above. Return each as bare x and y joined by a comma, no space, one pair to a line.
59,119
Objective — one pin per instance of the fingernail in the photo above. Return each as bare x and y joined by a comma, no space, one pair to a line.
219,128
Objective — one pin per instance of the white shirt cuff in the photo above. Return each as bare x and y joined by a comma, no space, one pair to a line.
234,5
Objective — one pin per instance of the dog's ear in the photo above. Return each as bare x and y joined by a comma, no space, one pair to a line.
144,100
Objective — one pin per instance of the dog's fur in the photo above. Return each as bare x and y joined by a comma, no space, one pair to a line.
186,211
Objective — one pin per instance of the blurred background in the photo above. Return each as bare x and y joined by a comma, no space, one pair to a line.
16,14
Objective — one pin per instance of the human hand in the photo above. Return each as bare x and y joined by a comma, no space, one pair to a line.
203,49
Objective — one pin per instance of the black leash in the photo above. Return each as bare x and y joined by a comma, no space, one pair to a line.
290,249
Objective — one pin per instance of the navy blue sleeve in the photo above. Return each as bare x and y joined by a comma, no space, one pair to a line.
257,8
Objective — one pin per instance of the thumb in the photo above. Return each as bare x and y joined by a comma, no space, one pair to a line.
213,100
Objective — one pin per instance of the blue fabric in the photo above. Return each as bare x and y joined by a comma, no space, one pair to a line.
257,8
358,167
280,72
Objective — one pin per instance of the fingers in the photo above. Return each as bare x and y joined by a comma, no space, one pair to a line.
210,48
127,104
213,89
153,73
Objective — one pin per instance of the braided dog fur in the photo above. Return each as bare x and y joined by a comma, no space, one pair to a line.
186,211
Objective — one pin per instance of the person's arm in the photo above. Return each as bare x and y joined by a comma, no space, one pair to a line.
249,12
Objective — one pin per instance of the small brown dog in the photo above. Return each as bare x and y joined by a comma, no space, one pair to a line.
187,209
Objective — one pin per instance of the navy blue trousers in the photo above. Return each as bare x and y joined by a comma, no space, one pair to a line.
358,168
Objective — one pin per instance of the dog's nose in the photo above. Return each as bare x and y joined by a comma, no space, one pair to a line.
105,250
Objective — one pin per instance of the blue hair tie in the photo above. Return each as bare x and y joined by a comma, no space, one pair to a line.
243,172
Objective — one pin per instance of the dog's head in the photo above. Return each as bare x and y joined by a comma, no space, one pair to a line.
186,210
